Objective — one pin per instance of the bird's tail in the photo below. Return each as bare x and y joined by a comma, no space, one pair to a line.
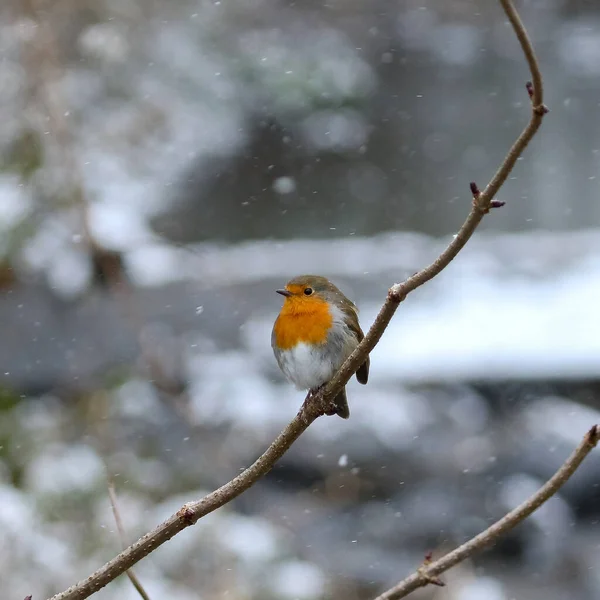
341,403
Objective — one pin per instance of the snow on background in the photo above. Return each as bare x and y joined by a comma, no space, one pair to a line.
166,166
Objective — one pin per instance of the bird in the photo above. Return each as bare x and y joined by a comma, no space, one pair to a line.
315,332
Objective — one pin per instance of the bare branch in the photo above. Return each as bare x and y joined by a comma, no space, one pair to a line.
429,572
112,494
191,512
319,404
482,202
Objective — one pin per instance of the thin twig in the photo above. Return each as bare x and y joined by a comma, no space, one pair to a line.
527,47
191,512
428,573
316,406
482,203
112,494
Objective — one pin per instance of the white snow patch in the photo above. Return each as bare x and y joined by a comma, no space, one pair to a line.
69,272
64,468
15,202
117,226
481,588
297,580
284,185
251,539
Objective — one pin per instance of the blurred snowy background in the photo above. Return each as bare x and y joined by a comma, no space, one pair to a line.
165,165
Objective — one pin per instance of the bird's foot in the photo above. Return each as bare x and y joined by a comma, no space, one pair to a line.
314,402
329,408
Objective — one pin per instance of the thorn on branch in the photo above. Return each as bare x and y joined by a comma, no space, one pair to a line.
186,515
540,110
529,86
477,195
396,295
593,435
422,570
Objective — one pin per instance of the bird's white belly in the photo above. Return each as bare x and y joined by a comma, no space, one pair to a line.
306,366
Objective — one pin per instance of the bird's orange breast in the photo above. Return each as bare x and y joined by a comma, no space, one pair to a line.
300,320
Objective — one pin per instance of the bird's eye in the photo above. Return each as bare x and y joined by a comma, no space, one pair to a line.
308,291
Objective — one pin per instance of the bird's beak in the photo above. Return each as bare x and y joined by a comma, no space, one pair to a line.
284,293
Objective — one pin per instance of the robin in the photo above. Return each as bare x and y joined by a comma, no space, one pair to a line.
315,332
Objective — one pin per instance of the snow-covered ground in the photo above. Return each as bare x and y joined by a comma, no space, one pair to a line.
515,308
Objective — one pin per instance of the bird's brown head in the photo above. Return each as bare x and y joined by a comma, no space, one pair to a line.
306,291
